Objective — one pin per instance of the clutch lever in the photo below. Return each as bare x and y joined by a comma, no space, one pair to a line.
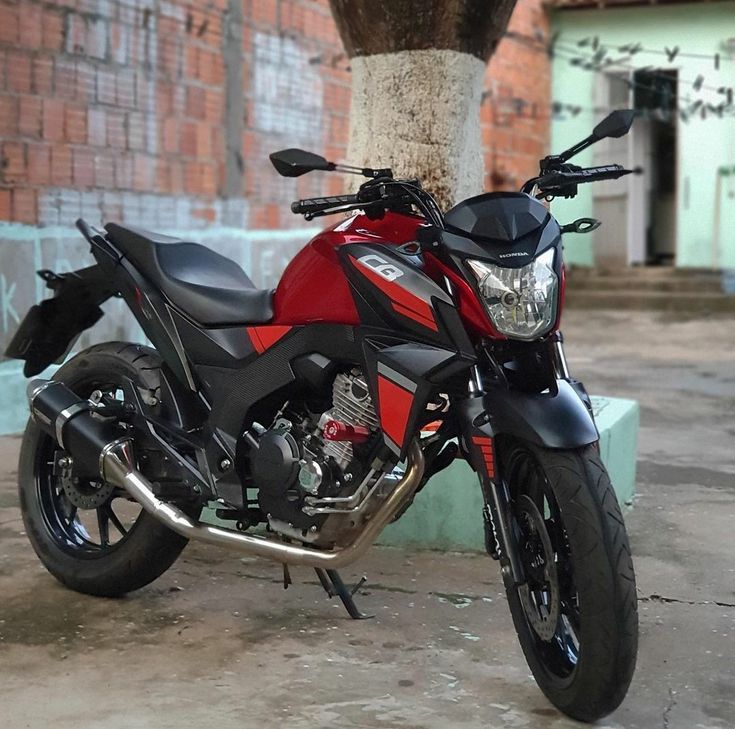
581,225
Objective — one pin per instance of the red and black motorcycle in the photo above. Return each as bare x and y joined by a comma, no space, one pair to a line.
303,411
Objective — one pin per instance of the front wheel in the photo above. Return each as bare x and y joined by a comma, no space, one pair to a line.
576,615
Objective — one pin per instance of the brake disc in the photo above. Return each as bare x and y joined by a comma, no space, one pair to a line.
84,493
540,593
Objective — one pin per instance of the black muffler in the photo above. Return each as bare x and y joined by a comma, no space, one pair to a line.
72,423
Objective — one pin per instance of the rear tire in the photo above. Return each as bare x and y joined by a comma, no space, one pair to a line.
149,548
596,582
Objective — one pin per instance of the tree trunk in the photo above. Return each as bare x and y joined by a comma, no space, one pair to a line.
417,77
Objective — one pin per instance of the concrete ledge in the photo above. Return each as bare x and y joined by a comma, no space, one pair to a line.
447,514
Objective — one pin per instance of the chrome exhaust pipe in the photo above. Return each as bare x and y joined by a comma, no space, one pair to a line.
79,432
117,467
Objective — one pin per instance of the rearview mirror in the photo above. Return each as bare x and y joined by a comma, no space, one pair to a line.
297,162
615,124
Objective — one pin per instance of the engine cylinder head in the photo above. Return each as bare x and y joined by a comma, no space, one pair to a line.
351,405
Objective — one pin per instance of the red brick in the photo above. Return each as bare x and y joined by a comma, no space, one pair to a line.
188,138
169,56
203,140
265,13
85,81
191,62
125,89
9,24
164,98
65,78
177,177
43,76
83,168
124,172
53,120
106,87
97,127
163,176
39,164
14,163
61,165
25,208
30,116
52,29
8,116
19,72
116,134
5,205
104,171
170,135
119,36
196,102
31,25
75,125
143,172
136,131
213,106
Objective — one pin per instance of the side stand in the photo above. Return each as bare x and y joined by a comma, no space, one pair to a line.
334,587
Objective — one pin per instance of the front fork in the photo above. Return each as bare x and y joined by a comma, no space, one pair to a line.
479,443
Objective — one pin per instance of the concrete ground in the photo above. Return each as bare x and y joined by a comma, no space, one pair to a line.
216,642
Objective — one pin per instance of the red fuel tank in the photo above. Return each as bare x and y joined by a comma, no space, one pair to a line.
314,288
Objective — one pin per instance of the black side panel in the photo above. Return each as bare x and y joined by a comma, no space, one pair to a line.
408,374
554,420
50,328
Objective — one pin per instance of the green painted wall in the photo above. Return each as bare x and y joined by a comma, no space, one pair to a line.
704,146
447,513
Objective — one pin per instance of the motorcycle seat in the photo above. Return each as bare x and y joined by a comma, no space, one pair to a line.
212,289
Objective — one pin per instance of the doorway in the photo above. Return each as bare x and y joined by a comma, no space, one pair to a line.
655,99
639,211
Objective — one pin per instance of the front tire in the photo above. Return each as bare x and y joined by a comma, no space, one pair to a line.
116,547
576,618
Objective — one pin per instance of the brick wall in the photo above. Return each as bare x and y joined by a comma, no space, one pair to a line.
161,113
116,109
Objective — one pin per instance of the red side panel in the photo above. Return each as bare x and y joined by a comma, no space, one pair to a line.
485,446
265,337
395,407
403,301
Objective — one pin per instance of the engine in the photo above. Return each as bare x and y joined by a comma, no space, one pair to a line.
304,458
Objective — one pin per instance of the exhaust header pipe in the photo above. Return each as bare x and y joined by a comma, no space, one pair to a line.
104,446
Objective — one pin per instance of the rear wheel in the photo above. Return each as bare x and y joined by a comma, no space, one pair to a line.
576,615
88,534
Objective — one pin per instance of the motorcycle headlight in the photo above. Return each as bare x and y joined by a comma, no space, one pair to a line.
521,302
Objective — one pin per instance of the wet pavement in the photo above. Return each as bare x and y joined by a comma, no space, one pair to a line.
217,642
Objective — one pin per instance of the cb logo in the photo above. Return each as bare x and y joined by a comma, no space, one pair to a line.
382,267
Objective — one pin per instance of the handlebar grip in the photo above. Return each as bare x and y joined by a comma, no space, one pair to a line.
317,204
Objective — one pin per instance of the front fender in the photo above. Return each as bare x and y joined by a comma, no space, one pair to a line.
554,419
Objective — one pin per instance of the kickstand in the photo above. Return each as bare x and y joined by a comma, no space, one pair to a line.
334,587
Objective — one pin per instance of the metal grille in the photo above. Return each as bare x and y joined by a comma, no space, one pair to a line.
351,404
